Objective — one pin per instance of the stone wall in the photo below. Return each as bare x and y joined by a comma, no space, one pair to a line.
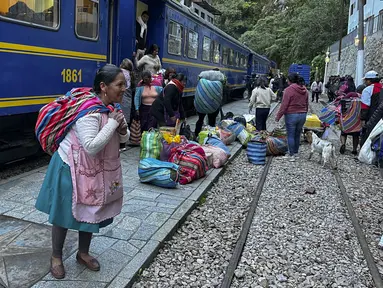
373,57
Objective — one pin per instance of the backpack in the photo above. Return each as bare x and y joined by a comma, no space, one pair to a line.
56,118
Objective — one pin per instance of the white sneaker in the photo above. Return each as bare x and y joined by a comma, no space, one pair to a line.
292,159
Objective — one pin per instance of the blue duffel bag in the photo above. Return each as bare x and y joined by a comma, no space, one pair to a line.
159,173
256,152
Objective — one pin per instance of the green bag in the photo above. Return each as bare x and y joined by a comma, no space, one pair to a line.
151,144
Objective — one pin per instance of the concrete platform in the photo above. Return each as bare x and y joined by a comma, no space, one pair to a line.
149,216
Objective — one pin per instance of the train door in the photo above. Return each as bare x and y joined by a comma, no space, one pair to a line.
113,43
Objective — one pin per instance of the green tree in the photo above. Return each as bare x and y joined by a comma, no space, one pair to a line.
287,31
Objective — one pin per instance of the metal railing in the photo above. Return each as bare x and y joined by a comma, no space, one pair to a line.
373,25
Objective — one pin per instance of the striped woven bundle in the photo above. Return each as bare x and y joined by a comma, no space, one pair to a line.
192,162
135,132
56,118
208,96
276,146
350,121
159,173
256,152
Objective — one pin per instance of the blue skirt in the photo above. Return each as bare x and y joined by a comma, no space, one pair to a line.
55,198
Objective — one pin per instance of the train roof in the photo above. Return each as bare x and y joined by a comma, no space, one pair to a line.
187,11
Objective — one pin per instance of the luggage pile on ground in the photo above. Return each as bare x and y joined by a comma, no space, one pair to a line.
168,158
259,143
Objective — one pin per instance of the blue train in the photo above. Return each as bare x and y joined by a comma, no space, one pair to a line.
52,46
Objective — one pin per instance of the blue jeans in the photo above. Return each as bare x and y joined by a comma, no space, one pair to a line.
294,126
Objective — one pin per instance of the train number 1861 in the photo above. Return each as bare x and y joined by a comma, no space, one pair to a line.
71,76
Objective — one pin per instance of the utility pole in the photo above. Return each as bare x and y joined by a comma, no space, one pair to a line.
340,33
360,58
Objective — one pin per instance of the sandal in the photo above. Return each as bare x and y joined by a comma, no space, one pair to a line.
92,264
342,149
57,271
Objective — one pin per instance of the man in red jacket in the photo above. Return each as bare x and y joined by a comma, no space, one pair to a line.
370,99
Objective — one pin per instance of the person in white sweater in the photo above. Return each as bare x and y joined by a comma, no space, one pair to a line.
151,61
261,99
90,153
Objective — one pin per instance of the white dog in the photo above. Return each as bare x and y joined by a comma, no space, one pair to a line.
325,149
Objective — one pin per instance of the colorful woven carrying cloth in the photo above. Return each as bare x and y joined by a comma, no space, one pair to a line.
350,121
56,118
208,96
328,114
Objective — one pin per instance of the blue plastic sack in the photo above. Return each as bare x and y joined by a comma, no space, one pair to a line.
236,128
216,141
256,152
159,173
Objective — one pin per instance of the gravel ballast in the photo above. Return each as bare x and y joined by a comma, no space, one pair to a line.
199,252
301,235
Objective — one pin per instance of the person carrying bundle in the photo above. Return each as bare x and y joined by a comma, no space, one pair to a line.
208,97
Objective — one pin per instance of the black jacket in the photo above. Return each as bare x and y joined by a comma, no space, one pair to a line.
169,101
141,41
374,119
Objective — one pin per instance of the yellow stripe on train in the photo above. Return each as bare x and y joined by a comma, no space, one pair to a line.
188,63
29,102
49,52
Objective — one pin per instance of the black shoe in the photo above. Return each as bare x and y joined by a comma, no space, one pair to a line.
354,153
342,149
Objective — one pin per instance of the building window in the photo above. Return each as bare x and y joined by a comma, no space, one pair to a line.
196,11
352,9
175,38
41,13
210,19
87,15
193,44
216,52
202,15
206,52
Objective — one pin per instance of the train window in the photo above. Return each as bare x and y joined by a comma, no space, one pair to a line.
206,49
175,38
216,52
39,13
193,44
244,64
87,16
236,55
231,57
225,55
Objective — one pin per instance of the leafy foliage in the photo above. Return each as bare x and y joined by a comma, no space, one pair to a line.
287,31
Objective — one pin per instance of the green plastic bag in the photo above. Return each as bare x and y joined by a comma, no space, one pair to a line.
151,144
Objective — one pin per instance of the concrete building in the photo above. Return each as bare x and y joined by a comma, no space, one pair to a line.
373,13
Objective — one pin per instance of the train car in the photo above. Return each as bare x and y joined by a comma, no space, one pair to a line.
48,48
51,46
191,45
303,70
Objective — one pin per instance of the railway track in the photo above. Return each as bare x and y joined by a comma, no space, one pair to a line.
237,253
239,248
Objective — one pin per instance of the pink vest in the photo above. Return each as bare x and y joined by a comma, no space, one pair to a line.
97,180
